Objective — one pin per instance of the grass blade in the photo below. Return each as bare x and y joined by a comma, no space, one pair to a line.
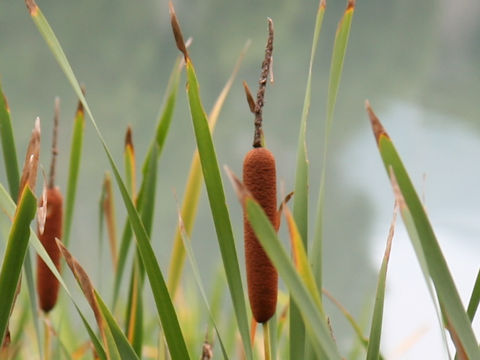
193,187
300,259
196,274
161,132
300,200
218,206
356,327
96,343
125,350
14,255
8,147
448,297
166,311
474,299
315,322
8,206
338,56
300,204
73,170
135,301
373,351
32,297
129,161
108,205
107,325
216,194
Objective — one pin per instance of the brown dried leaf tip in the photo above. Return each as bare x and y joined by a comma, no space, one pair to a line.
250,100
351,4
30,166
128,139
177,32
80,110
32,7
6,103
84,282
377,127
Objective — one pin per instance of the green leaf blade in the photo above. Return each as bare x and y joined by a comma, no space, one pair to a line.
373,350
164,305
315,323
8,147
300,200
438,271
15,255
216,196
73,171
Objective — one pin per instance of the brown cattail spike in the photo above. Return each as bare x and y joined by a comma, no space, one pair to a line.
47,283
262,85
259,177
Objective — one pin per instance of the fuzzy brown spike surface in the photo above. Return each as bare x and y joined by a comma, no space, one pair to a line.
47,283
259,177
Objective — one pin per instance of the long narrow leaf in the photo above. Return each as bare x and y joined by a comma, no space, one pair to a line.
124,348
300,260
161,132
474,299
338,56
216,194
218,206
166,311
73,170
14,255
32,298
373,351
8,206
8,146
448,297
198,280
193,187
300,204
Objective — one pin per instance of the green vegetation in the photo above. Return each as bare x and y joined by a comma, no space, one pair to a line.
181,325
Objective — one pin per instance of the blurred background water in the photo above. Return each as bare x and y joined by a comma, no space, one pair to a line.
417,62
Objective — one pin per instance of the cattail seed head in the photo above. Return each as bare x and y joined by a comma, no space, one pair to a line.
259,177
47,283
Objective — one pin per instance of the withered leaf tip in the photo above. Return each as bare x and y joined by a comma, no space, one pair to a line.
377,127
31,6
177,32
129,138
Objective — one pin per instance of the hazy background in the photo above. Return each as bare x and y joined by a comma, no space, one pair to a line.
417,62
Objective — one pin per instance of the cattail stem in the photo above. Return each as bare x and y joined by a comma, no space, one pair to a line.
47,339
51,181
262,85
266,340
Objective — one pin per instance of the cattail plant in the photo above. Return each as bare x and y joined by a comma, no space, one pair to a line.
259,177
47,284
